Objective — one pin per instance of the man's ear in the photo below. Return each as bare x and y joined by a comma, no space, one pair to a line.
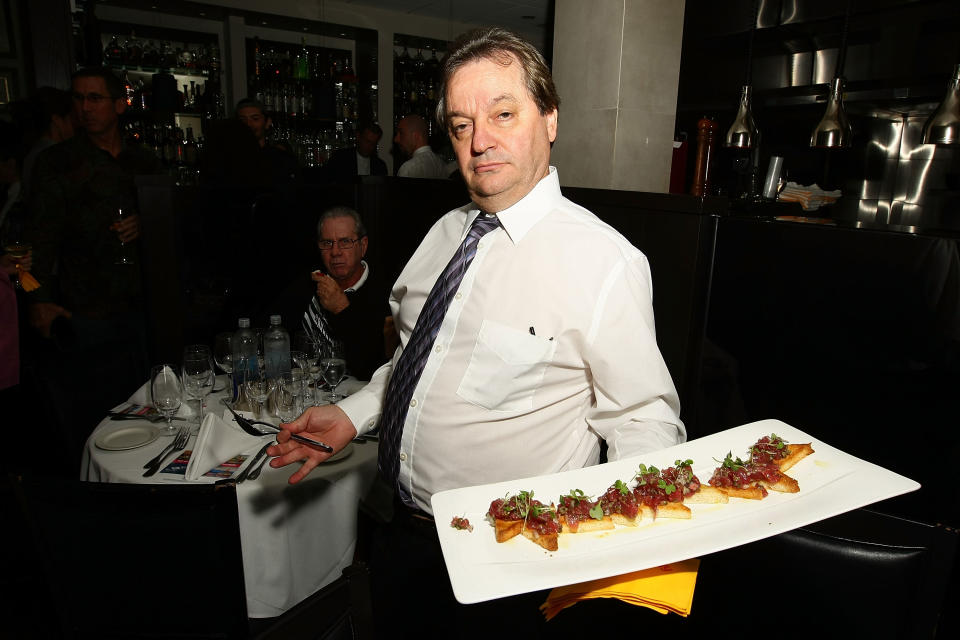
363,246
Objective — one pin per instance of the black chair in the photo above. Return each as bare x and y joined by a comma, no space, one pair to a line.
138,561
340,611
859,575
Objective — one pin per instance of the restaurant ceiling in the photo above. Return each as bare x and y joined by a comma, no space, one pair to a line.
520,15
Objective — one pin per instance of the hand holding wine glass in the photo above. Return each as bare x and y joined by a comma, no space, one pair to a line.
166,393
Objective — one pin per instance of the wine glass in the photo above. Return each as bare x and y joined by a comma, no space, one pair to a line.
124,256
18,251
166,393
198,375
258,388
223,352
333,366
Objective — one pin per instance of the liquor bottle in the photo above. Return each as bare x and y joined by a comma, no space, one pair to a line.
190,151
113,52
276,349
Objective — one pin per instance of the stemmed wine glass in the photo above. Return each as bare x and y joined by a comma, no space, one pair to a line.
223,354
333,366
166,393
198,375
258,388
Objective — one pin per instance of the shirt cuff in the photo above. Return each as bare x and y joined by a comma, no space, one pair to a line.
363,408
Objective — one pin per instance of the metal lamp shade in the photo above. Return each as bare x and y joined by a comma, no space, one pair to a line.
943,127
742,134
833,130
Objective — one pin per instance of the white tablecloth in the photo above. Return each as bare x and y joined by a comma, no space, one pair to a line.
295,539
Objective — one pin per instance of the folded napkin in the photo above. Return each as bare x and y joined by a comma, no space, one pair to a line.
810,197
217,442
142,397
664,589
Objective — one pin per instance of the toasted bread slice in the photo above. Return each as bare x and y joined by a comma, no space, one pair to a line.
748,493
546,540
583,526
785,484
619,518
707,495
507,529
676,510
795,453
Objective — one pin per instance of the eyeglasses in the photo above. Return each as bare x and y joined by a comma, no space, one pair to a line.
95,98
342,243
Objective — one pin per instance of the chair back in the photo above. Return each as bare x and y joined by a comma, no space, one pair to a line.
138,561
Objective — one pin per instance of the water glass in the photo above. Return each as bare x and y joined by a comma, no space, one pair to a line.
223,353
333,366
198,375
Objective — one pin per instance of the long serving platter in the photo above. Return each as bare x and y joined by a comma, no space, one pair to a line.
831,482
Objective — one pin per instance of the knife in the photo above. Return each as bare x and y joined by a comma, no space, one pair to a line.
252,470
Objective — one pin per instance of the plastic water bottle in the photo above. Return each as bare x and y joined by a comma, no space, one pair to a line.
276,349
244,355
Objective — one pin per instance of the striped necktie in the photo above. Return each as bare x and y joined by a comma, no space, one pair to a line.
410,364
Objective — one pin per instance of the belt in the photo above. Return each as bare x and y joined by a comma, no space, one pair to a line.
413,514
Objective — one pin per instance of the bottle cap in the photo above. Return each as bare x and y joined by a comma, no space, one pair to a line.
243,323
274,319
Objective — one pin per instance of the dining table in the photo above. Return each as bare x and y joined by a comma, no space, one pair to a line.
295,539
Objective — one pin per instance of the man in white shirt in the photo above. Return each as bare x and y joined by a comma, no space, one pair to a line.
548,344
413,140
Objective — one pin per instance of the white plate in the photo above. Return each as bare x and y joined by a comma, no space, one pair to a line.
340,455
831,482
127,437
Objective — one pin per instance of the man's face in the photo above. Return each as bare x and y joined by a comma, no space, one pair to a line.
405,138
96,110
501,140
343,265
258,123
367,143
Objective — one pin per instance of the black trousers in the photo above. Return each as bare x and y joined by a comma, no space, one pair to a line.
412,596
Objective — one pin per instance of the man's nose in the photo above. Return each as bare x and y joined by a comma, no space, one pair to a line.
482,138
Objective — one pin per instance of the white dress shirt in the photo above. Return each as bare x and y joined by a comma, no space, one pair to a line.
424,163
363,165
547,347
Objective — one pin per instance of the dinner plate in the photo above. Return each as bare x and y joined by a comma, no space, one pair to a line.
831,482
127,437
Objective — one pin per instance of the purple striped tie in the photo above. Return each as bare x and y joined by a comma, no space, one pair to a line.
410,365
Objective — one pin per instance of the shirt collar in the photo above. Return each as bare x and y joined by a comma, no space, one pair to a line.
363,278
519,218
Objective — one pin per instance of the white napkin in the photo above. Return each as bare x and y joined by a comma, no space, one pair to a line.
217,442
142,397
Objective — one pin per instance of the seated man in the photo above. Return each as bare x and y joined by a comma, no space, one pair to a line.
413,140
361,160
346,301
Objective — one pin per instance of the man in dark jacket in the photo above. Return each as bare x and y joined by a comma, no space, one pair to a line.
361,160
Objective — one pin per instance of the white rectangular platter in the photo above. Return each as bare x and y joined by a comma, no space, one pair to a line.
831,482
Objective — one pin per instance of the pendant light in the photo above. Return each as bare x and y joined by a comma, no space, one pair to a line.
834,131
743,133
943,127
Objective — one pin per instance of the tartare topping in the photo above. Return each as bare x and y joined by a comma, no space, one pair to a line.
653,489
576,507
681,476
538,516
619,499
734,472
769,449
461,524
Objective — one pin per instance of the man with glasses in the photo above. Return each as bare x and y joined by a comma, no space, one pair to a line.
348,304
79,187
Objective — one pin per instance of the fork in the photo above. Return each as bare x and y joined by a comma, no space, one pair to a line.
247,425
166,449
179,444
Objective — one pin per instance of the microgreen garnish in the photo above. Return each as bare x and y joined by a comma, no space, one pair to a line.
596,512
730,463
622,487
683,463
669,488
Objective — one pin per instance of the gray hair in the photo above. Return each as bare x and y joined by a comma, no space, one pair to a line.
342,212
500,46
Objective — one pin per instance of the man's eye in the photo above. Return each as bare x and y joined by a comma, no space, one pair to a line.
504,115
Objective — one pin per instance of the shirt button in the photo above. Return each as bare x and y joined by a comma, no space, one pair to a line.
458,296
403,457
413,402
438,348
480,245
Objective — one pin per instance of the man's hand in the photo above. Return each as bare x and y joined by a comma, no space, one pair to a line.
42,315
327,423
329,293
9,265
127,229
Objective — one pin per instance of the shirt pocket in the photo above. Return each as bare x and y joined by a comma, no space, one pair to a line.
506,368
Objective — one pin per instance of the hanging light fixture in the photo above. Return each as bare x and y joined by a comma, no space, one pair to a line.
834,131
743,133
943,127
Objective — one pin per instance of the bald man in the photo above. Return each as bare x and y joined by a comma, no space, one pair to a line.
413,140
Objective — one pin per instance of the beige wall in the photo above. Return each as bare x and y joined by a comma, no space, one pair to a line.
616,64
